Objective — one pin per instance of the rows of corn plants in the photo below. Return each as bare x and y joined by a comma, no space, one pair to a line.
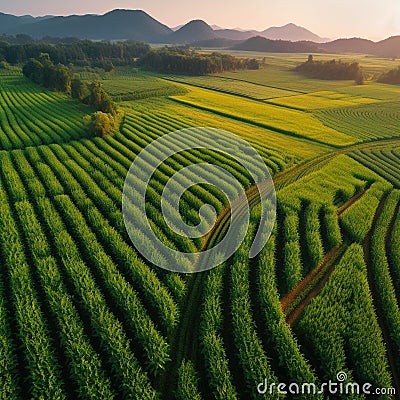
110,333
381,274
364,210
40,361
308,212
212,343
394,253
75,191
341,327
365,122
30,117
230,86
292,365
278,119
252,356
82,315
383,161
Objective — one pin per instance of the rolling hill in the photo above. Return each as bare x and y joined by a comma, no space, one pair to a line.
259,43
137,25
191,32
117,24
291,32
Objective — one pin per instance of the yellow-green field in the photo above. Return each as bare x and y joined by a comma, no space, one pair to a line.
323,99
275,118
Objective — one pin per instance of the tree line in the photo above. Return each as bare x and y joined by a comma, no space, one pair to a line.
332,70
106,55
392,76
179,60
43,72
84,53
59,77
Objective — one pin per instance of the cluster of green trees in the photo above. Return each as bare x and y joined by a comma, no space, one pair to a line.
23,38
179,60
44,72
392,76
106,55
80,53
332,70
58,77
94,95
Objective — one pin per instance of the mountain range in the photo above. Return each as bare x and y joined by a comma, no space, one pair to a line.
138,25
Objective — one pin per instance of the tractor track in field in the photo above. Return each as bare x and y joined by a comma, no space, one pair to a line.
389,234
375,297
352,201
299,297
184,340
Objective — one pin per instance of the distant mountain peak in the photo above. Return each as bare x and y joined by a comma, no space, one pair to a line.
118,24
197,22
291,32
121,23
193,31
124,11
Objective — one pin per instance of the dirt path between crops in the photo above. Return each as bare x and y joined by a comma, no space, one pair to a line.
353,200
184,341
314,281
288,299
388,237
379,313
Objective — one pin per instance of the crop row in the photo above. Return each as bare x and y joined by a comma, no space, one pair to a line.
44,372
287,122
212,343
366,122
382,280
74,188
364,210
292,363
241,88
109,330
29,117
383,162
113,279
169,117
85,365
341,326
394,253
252,357
77,180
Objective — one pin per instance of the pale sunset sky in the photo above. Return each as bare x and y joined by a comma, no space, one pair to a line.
328,18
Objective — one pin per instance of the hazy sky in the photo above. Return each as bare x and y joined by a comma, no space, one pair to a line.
328,18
